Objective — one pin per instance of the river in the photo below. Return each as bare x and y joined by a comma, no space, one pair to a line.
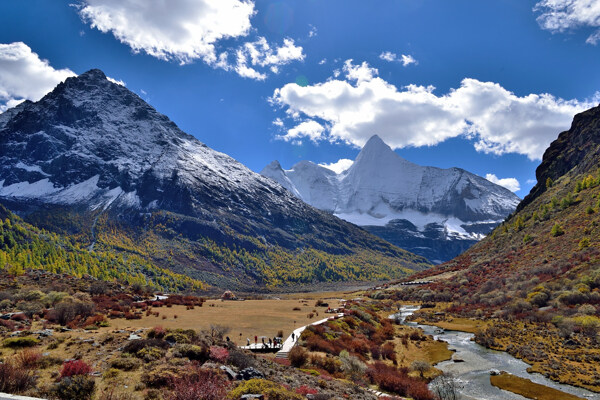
473,375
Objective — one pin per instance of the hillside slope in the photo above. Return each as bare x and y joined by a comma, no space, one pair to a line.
537,276
94,162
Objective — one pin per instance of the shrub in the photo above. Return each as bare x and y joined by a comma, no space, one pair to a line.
198,384
111,373
150,354
239,359
298,356
159,377
193,352
15,378
125,363
75,367
219,354
352,365
158,332
68,311
28,358
304,390
181,336
135,346
272,390
26,341
75,388
557,230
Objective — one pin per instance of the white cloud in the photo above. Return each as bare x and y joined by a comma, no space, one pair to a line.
531,181
24,76
307,129
178,29
260,53
511,184
187,30
323,61
364,104
359,73
339,166
313,31
404,59
563,15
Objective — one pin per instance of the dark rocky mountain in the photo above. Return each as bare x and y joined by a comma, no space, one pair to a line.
94,161
433,212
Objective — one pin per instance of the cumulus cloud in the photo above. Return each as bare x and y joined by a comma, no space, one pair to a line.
187,30
404,59
360,104
179,29
564,15
24,76
339,166
306,129
511,184
261,54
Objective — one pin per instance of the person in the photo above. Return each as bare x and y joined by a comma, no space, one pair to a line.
227,338
293,336
270,343
248,340
255,340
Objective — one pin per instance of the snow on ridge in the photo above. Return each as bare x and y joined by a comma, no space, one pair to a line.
30,168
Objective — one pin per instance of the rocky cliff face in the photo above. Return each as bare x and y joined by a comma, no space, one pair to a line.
381,190
95,148
578,148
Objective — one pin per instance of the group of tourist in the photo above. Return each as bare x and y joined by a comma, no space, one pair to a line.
275,342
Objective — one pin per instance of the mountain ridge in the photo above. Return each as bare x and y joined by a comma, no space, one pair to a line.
380,187
94,160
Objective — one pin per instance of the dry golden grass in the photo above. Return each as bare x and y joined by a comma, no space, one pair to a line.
526,388
249,318
458,324
429,350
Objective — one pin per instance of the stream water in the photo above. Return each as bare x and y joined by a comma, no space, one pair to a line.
473,374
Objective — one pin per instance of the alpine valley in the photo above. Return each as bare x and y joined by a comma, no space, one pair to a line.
96,165
436,213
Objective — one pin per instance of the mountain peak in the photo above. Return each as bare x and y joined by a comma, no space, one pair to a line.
376,143
94,74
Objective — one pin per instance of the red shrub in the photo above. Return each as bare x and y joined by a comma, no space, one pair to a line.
375,352
304,390
387,351
219,354
28,358
315,343
94,320
10,325
19,317
75,367
199,384
158,332
130,315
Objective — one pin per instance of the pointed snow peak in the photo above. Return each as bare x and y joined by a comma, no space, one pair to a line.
377,144
273,166
378,154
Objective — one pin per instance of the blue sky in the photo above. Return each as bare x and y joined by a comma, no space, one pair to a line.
484,85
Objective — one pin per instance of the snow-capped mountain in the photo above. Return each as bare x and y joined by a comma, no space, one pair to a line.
94,147
412,206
